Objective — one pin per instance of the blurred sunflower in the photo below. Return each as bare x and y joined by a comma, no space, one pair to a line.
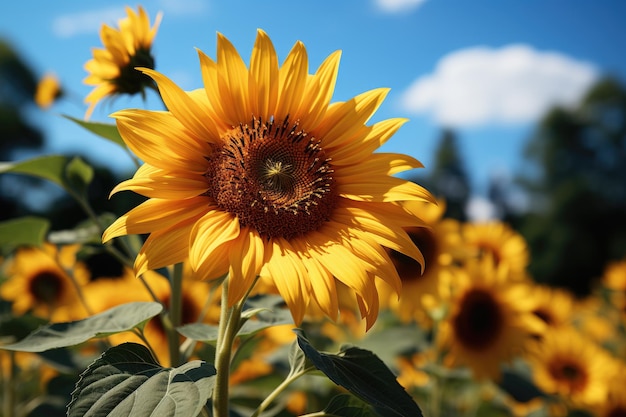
554,306
439,242
500,241
567,364
259,174
490,319
38,280
104,294
112,69
614,276
615,404
48,91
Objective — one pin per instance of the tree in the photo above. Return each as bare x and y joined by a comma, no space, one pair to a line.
448,178
579,189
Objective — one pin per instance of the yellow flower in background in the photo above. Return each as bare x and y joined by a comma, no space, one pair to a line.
112,69
439,242
615,403
258,173
566,363
490,319
614,276
500,241
554,306
38,280
48,91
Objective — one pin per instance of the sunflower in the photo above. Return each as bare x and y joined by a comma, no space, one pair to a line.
614,276
38,280
498,240
615,404
112,69
258,174
439,242
490,319
104,294
48,91
567,364
554,306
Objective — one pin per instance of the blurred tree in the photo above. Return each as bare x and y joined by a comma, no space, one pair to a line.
579,189
448,178
17,89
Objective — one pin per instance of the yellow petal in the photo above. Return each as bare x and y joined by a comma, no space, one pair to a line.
155,214
153,182
246,257
292,81
287,272
382,189
343,119
164,247
213,229
263,79
184,108
233,80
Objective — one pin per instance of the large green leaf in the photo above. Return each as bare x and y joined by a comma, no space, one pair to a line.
23,231
362,373
104,130
72,174
126,381
115,320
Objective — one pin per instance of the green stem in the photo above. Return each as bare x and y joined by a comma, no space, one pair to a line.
279,389
229,325
175,313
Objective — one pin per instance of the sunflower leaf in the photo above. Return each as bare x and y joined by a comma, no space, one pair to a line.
363,374
126,381
199,331
78,175
345,405
106,131
23,231
115,320
71,174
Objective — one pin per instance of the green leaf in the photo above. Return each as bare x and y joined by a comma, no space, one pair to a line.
73,175
345,405
104,130
23,231
126,381
49,167
115,320
199,331
362,373
78,175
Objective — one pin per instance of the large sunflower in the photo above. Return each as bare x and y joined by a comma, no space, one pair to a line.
258,173
112,69
490,319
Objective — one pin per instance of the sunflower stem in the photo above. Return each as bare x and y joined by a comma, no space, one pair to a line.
230,318
280,388
175,313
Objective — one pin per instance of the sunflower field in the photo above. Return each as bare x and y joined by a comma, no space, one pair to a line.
265,259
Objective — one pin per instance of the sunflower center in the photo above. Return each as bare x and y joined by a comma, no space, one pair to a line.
274,177
570,373
479,321
46,287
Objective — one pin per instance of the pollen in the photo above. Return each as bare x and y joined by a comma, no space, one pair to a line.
274,177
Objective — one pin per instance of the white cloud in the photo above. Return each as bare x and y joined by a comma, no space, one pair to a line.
480,209
514,84
89,21
397,6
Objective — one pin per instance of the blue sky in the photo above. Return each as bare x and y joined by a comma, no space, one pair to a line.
487,69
